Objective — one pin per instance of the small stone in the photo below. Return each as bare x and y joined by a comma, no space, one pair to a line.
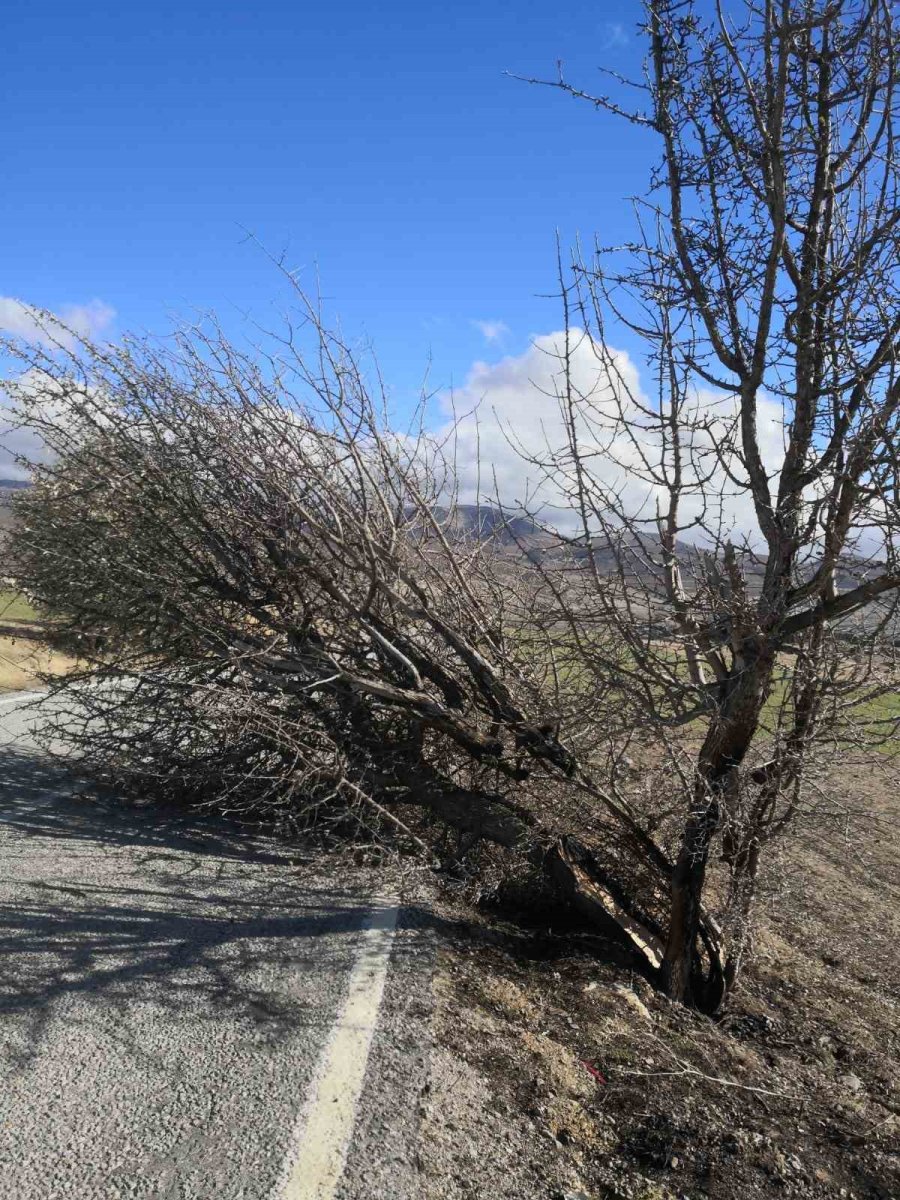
631,998
851,1082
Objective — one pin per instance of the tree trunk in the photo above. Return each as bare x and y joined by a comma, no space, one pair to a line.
570,865
682,973
723,751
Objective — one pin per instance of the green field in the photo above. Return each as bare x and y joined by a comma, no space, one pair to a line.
15,608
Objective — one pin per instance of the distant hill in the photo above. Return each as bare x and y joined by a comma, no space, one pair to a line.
519,533
509,531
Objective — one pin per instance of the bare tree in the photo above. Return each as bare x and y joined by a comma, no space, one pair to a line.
749,504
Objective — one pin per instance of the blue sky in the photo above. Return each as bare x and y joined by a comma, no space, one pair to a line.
382,142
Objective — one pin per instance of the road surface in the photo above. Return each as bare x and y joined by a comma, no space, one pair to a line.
187,1012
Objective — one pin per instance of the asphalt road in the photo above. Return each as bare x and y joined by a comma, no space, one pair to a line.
169,991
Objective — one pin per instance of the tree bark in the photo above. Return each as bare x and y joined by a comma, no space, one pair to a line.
725,746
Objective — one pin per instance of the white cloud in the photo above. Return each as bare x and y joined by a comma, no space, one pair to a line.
28,401
16,444
511,418
492,331
614,35
91,319
18,439
32,324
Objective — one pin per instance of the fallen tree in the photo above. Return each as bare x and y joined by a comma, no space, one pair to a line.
279,610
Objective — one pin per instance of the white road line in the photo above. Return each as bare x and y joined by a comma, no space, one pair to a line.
318,1149
20,697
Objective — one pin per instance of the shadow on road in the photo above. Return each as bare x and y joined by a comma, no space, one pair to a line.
29,781
134,905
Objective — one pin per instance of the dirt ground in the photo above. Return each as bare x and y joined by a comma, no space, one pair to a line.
22,660
561,1073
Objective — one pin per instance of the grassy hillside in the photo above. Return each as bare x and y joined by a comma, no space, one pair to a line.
22,657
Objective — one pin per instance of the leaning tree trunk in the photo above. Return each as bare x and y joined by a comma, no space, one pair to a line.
725,746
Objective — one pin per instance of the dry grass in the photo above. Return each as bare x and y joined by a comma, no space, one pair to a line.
23,661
